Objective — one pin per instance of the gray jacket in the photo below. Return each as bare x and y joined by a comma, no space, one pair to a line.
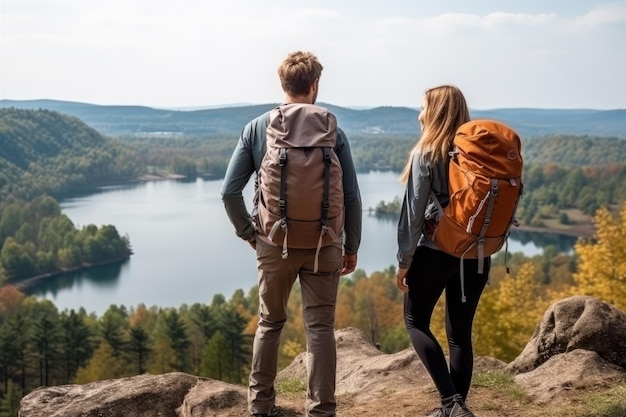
417,206
246,160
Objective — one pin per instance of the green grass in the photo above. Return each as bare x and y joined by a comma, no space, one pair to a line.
290,386
610,404
501,382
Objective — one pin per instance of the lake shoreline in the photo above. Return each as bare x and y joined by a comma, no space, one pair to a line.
26,283
582,230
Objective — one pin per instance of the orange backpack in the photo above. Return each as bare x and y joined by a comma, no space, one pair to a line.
300,188
485,185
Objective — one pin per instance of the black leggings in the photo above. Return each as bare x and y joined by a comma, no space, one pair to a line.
430,273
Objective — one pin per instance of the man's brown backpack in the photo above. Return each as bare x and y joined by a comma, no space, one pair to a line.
300,189
485,185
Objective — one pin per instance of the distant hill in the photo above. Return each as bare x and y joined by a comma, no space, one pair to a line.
43,151
124,120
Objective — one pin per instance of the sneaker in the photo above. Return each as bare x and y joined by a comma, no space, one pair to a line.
274,412
459,409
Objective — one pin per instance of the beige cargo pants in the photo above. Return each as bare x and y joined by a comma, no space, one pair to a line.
276,277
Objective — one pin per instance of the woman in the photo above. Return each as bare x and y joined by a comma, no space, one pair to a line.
424,271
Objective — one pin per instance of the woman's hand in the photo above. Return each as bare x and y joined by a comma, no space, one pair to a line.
401,279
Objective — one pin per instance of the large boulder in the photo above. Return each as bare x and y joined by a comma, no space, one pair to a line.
169,395
578,322
563,377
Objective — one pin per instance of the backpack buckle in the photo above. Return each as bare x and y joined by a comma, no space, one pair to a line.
327,159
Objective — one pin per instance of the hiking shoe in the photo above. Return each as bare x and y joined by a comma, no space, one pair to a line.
438,412
274,412
459,409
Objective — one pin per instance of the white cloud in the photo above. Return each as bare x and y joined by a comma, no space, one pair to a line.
600,16
504,20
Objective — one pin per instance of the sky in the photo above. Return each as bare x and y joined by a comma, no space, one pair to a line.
202,53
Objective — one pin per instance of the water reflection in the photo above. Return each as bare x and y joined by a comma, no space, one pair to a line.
563,243
384,217
106,276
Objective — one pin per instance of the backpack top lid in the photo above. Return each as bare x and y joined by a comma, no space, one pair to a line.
314,126
491,147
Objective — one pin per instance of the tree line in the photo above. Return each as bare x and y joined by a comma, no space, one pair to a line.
556,195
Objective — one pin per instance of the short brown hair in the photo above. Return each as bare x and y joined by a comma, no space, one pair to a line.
298,72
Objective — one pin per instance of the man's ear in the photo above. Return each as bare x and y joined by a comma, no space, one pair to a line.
314,90
315,86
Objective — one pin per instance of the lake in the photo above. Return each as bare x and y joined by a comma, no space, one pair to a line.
185,249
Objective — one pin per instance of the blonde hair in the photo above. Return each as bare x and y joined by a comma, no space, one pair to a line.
298,71
446,110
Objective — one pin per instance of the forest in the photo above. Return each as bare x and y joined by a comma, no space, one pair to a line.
47,156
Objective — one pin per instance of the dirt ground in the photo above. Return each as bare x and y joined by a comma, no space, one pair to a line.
405,403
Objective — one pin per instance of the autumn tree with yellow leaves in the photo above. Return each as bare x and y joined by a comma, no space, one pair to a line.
508,314
602,261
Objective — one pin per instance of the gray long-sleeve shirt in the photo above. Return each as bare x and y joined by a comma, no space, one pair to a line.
246,160
417,206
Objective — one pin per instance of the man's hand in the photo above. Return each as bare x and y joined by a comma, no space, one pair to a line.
401,279
349,263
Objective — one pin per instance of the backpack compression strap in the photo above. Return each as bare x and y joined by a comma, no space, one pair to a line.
493,193
325,206
325,203
282,203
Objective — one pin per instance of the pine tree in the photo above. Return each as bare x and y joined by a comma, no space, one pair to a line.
216,361
139,348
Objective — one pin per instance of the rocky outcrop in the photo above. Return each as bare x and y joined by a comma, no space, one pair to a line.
578,322
578,346
169,395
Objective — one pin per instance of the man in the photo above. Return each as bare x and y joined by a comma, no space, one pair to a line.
299,75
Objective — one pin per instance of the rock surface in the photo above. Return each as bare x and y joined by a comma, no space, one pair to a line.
564,376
